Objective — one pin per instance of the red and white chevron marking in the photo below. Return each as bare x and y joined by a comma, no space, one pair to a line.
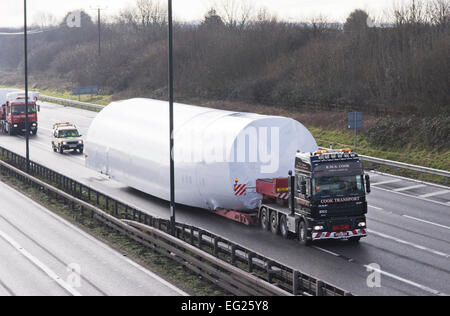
240,189
339,235
283,196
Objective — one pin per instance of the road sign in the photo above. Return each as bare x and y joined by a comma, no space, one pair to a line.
85,90
355,123
355,120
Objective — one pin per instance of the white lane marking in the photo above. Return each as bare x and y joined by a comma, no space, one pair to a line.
376,207
327,251
414,284
387,182
418,186
435,193
39,264
389,175
404,242
96,241
414,196
426,222
392,276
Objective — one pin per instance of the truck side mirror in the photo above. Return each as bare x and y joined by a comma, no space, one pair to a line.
303,188
368,189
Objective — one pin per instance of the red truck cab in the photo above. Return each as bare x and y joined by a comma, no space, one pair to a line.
13,114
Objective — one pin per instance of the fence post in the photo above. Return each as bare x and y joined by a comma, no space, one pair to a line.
319,288
250,262
295,279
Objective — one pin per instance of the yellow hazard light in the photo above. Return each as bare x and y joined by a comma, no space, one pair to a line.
346,150
320,152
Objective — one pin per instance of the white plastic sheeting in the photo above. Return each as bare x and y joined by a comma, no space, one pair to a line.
129,141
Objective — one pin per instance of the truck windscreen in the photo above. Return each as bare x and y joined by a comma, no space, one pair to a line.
20,109
338,186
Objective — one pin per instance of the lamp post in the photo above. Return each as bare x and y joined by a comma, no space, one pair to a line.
27,123
171,120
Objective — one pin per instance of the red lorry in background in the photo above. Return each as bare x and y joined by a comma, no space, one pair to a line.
13,114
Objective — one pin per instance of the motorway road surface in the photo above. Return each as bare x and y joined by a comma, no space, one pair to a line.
43,255
409,224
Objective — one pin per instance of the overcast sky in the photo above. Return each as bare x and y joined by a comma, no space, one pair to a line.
11,11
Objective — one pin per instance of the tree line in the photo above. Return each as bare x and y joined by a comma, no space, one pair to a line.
238,53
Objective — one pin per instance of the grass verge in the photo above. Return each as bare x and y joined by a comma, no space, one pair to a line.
95,99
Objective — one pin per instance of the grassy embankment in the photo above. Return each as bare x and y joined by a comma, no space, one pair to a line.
96,99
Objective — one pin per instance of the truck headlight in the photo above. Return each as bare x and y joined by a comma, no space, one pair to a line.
15,125
34,124
362,225
318,228
80,142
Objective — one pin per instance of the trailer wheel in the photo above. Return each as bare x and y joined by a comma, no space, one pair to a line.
264,219
274,223
284,231
303,234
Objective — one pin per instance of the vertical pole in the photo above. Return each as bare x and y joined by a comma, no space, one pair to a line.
356,131
27,125
99,34
171,101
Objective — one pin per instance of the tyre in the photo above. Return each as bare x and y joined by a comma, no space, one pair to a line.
55,149
284,231
264,219
34,132
61,150
81,150
274,228
303,234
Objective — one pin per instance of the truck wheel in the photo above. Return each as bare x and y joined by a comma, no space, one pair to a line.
34,132
81,151
55,149
61,150
274,223
284,231
303,234
354,240
264,219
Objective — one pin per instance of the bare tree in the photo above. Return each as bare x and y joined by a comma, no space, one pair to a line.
235,13
439,12
144,13
44,20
